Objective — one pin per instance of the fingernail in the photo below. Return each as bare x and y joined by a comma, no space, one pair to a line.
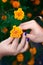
27,39
25,33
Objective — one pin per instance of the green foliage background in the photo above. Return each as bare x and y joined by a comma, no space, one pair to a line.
7,9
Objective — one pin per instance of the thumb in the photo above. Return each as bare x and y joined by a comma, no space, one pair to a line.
27,25
30,36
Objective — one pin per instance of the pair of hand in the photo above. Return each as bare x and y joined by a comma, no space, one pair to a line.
12,46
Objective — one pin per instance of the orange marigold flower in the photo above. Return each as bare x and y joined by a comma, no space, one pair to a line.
16,32
33,51
4,1
4,30
20,57
16,4
19,14
4,17
29,15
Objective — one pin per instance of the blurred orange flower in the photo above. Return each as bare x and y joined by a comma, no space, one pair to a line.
4,1
19,14
20,57
36,2
29,15
16,4
16,32
4,30
33,51
4,17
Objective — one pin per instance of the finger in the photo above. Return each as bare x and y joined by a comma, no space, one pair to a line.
27,25
31,36
25,47
8,41
21,45
15,42
23,50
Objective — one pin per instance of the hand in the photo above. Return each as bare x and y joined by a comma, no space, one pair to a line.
10,46
36,34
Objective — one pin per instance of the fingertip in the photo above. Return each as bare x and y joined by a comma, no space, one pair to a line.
20,26
23,28
27,39
25,33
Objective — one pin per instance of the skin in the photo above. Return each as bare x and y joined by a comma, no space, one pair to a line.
11,46
36,33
